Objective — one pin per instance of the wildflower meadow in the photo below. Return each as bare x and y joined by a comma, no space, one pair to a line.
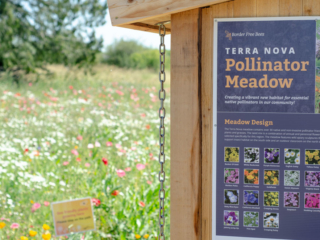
74,135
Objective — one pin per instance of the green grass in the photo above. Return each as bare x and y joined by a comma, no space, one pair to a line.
113,105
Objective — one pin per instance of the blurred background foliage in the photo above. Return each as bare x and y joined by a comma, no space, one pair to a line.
131,54
37,33
34,33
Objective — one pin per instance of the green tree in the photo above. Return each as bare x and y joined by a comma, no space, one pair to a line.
38,32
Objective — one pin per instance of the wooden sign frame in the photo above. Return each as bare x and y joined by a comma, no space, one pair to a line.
191,106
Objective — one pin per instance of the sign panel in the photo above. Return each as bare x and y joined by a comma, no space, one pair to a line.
266,153
74,216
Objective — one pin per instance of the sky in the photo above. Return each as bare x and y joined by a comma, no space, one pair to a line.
110,34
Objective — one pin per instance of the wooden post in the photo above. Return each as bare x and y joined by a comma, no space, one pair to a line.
191,107
185,126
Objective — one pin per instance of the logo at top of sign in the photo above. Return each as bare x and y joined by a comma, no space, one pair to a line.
228,35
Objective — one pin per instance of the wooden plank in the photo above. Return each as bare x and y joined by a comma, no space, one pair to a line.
223,10
311,7
130,11
268,8
156,20
290,7
145,27
185,127
245,8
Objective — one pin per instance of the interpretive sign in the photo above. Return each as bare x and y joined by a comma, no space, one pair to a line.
266,151
74,216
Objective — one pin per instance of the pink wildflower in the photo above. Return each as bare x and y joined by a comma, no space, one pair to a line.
14,226
128,169
74,152
96,202
46,203
118,145
109,144
79,138
140,166
65,163
142,204
121,173
119,92
97,144
87,165
35,206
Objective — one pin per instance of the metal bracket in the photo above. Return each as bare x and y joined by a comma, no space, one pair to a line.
162,23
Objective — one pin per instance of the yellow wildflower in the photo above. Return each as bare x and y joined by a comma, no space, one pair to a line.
23,238
146,236
2,225
45,227
32,233
137,236
46,236
32,202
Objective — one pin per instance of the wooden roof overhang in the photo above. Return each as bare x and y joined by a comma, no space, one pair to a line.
144,14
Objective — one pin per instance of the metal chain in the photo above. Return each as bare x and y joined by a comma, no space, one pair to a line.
162,115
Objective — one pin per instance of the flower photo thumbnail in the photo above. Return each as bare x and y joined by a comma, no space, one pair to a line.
272,155
271,177
251,198
270,220
291,199
312,157
291,178
291,156
271,199
231,197
231,154
251,155
312,179
250,219
251,176
231,218
311,200
231,175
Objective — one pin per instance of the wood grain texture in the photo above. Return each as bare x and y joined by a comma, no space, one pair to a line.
268,8
245,8
156,20
311,7
290,7
146,27
185,127
222,10
130,11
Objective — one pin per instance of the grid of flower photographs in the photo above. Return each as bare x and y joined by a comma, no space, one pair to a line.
269,178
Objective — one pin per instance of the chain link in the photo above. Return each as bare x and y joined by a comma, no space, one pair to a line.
162,115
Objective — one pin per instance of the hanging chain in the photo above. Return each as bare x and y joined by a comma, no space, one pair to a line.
162,115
